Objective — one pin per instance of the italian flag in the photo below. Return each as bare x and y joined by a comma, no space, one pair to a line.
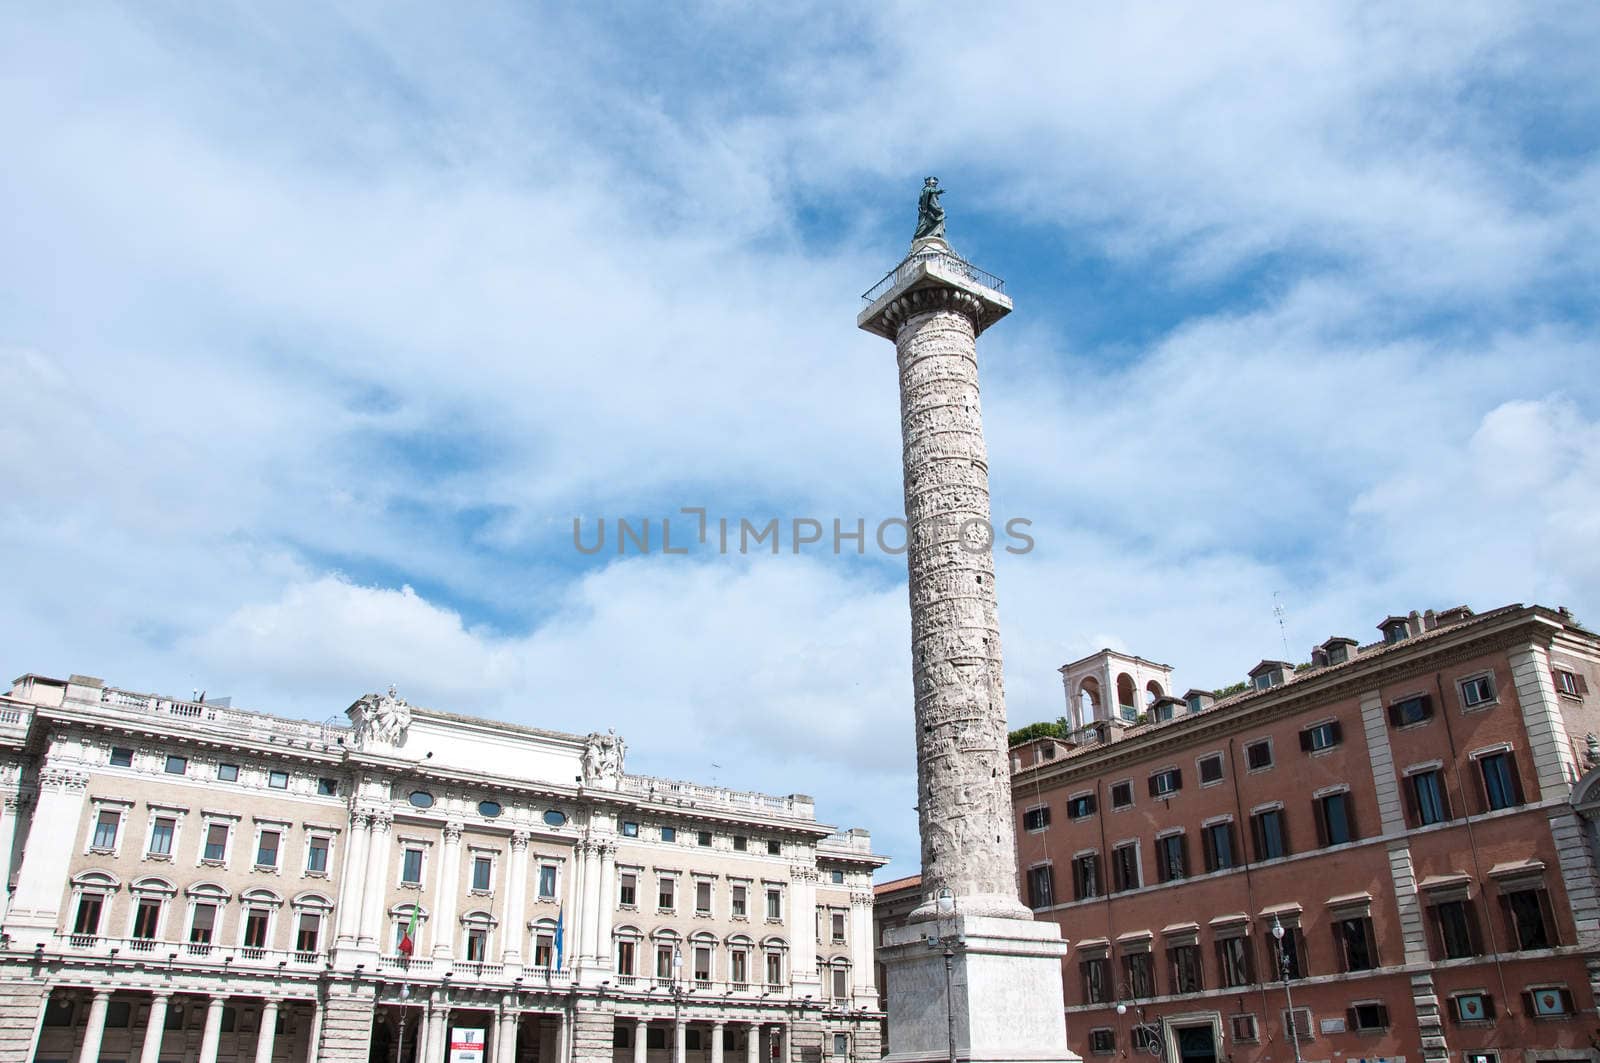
408,940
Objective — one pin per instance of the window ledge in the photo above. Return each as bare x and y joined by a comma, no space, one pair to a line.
102,850
208,862
627,907
480,893
271,869
542,899
160,858
774,921
411,886
313,874
737,918
702,915
666,911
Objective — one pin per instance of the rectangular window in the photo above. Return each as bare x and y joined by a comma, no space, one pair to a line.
738,894
1363,1018
1140,974
1102,1042
1166,783
255,928
547,882
774,968
105,830
703,839
411,867
1299,1022
630,829
841,1045
1270,834
1426,798
1041,887
146,918
477,945
774,848
836,877
702,964
278,780
1288,955
1188,975
1529,919
482,873
1036,819
739,967
1455,930
267,849
204,925
1220,849
1243,1029
1410,711
1086,876
317,855
702,898
1546,1002
121,757
1078,807
1353,939
90,906
1472,1007
836,925
216,849
1211,769
1258,755
1479,690
625,958
1121,794
227,773
306,934
1234,962
1322,736
177,765
161,832
1096,979
1501,787
741,843
628,890
1171,858
1335,823
327,787
1125,867
655,1037
1571,684
667,894
774,904
669,834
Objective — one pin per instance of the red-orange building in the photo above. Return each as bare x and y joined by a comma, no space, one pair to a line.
1411,814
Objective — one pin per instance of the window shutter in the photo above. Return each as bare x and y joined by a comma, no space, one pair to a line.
1256,841
1474,932
1548,914
1177,778
1511,925
1408,790
1336,731
1566,1001
1320,810
1098,888
1394,715
1444,796
1283,832
1209,848
1427,708
1153,790
1351,1021
1372,943
1488,1006
1383,1015
1527,1004
1481,786
1352,827
1583,683
1436,947
1305,741
1516,776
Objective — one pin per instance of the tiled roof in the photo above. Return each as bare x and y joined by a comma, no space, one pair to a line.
896,885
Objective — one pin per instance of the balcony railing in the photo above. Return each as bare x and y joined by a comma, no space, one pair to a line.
193,950
694,794
946,260
238,721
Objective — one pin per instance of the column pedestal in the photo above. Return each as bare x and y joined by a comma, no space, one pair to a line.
1004,988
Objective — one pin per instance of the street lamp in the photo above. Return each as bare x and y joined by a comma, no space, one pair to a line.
945,902
1283,969
405,1013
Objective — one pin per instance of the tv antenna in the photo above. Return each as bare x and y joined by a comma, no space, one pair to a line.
1283,631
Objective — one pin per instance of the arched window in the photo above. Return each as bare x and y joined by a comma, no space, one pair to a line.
207,906
477,933
258,922
628,943
838,975
91,902
668,955
401,924
702,958
544,944
148,918
775,960
741,952
311,915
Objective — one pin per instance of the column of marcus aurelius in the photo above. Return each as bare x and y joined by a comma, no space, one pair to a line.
971,976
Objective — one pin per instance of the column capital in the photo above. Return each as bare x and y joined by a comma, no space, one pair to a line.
453,830
381,820
101,994
218,999
62,778
519,841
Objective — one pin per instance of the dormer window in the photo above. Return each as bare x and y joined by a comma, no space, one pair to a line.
1194,703
1263,681
1269,674
1395,629
1338,653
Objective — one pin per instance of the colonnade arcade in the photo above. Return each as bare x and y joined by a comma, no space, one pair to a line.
89,1025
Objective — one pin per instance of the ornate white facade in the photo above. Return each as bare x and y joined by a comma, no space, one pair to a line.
193,882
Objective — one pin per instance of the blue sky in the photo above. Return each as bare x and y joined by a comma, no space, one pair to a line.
319,325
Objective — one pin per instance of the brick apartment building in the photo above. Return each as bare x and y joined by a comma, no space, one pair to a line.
1413,814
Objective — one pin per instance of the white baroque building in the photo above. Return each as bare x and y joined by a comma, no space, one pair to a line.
188,881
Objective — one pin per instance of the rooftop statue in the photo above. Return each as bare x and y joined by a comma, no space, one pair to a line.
930,215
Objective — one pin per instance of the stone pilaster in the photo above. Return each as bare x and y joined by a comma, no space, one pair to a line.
1553,761
593,1029
352,881
448,886
377,880
516,914
53,831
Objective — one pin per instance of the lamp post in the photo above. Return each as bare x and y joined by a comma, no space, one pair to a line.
405,1013
947,907
1283,969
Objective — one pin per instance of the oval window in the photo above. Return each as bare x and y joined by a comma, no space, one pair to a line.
421,799
489,809
554,818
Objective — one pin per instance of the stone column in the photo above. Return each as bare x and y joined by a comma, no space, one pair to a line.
448,885
268,1031
352,880
752,1048
505,1036
933,306
605,906
424,1032
316,1031
211,1038
588,908
156,1028
516,913
95,1028
641,1040
563,1037
377,882
35,906
680,1039
439,1042
716,1042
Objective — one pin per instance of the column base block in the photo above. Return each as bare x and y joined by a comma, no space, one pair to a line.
1003,990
